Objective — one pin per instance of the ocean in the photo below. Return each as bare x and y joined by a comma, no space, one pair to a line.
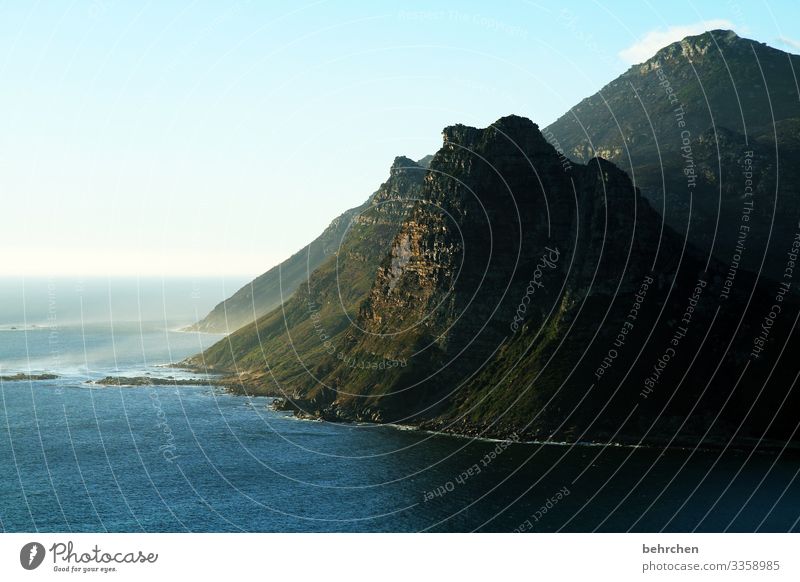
77,457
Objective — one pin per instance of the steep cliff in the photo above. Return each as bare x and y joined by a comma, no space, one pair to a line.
277,345
269,290
520,295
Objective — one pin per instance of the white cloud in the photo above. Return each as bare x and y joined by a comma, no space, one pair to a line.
790,42
651,42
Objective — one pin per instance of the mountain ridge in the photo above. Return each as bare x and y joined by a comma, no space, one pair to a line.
468,313
686,122
270,289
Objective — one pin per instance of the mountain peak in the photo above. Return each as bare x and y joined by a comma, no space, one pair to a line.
402,165
721,35
710,38
697,46
716,94
515,122
512,131
510,125
401,162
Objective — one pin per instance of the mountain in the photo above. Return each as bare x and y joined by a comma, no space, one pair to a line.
708,130
736,102
502,292
328,300
269,290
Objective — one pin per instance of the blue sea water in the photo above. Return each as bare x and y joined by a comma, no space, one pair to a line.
78,457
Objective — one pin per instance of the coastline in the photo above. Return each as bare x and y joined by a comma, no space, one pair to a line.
23,377
476,432
249,384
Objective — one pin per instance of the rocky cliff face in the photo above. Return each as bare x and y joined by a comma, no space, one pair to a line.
277,285
705,126
508,293
276,345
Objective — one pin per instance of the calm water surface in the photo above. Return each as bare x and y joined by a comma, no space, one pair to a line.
75,457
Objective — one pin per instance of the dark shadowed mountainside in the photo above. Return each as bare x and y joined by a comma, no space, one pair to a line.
708,128
502,292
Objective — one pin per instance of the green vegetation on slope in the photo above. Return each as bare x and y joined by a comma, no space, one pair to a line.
485,295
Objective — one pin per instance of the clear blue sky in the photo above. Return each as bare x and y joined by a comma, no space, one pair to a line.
189,138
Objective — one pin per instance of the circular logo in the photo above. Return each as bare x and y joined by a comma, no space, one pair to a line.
31,555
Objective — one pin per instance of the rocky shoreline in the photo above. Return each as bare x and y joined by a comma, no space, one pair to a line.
22,377
240,385
253,384
518,435
151,381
